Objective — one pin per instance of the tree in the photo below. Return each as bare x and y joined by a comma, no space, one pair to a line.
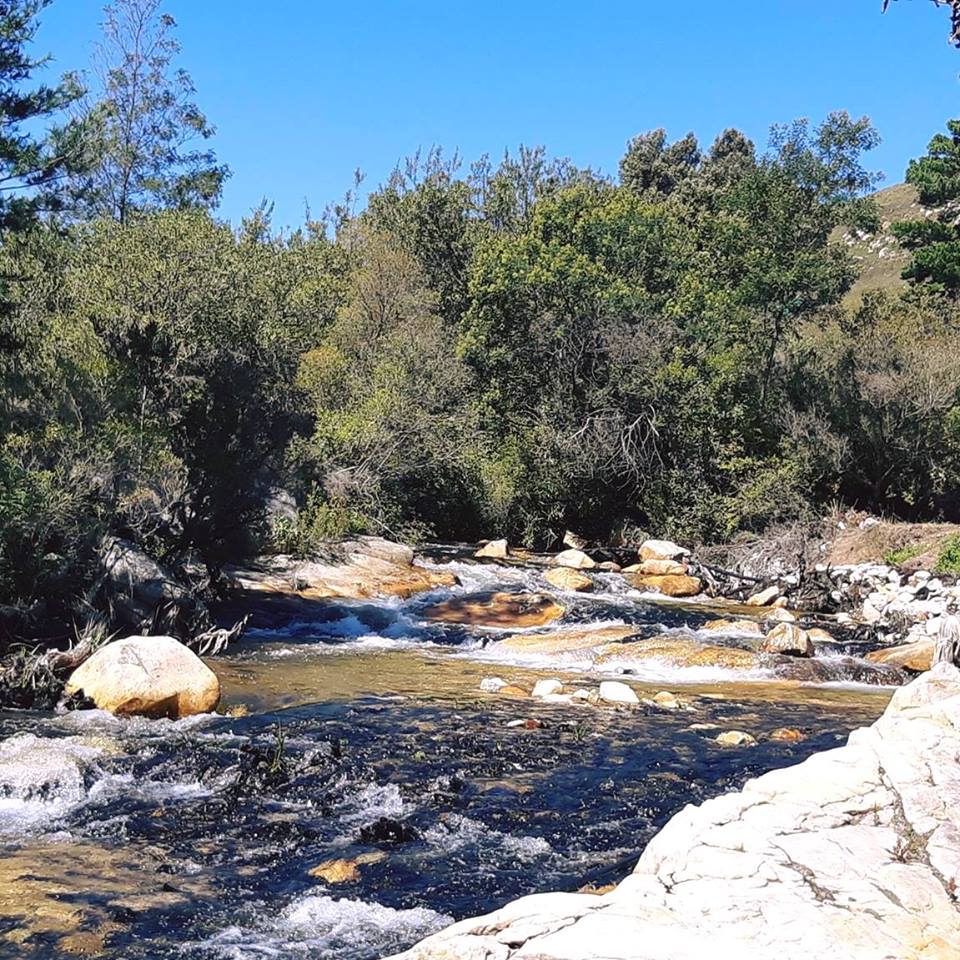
148,123
33,166
935,242
650,164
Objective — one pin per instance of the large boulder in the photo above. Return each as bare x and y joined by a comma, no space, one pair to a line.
497,610
661,568
853,854
147,676
788,639
669,585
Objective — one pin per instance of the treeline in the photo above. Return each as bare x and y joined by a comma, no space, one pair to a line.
508,349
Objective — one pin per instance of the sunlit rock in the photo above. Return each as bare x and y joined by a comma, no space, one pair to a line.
147,676
786,638
735,738
613,691
662,550
576,559
669,586
917,656
494,550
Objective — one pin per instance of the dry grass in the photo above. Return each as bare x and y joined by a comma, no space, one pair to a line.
875,543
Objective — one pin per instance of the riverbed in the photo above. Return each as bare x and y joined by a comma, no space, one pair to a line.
357,791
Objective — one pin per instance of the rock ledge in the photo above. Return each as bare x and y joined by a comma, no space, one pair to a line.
853,854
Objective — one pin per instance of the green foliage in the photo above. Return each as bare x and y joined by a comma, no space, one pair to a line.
949,559
32,165
896,557
935,243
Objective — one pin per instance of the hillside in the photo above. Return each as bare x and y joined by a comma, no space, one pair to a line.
879,255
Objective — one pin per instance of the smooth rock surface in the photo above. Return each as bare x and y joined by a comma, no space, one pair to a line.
671,585
788,639
147,676
853,854
613,691
497,610
916,656
661,550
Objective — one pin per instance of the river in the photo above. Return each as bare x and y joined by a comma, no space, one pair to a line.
357,790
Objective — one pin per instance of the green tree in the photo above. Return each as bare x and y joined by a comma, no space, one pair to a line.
935,242
149,127
34,165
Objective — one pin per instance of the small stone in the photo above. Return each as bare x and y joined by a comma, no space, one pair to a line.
608,566
735,738
818,635
613,691
666,700
336,871
544,688
492,684
494,550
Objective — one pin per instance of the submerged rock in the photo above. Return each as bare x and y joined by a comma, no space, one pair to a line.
566,641
497,610
853,854
40,769
563,578
147,676
679,652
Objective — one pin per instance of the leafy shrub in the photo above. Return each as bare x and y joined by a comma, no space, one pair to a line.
949,559
901,555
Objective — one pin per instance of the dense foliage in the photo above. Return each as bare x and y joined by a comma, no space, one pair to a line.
512,349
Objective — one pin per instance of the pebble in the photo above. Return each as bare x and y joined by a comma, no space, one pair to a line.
492,684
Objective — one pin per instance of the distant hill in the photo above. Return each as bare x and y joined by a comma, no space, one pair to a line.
879,256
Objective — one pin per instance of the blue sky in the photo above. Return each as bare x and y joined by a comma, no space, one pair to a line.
303,92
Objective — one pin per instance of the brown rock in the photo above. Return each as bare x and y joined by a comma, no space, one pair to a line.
663,568
788,639
512,690
787,734
817,635
147,676
764,597
563,578
722,626
497,610
336,871
916,656
669,586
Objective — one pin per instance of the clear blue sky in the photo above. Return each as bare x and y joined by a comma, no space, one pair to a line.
302,92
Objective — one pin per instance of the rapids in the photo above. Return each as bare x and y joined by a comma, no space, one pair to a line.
356,732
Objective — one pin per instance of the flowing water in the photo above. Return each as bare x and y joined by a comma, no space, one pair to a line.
356,732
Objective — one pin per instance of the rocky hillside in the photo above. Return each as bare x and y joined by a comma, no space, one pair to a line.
879,256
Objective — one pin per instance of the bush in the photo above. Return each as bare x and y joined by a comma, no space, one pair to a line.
949,559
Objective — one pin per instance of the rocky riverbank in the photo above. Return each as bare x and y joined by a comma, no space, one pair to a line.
852,855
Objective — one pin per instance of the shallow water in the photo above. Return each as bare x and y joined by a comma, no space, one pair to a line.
360,734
